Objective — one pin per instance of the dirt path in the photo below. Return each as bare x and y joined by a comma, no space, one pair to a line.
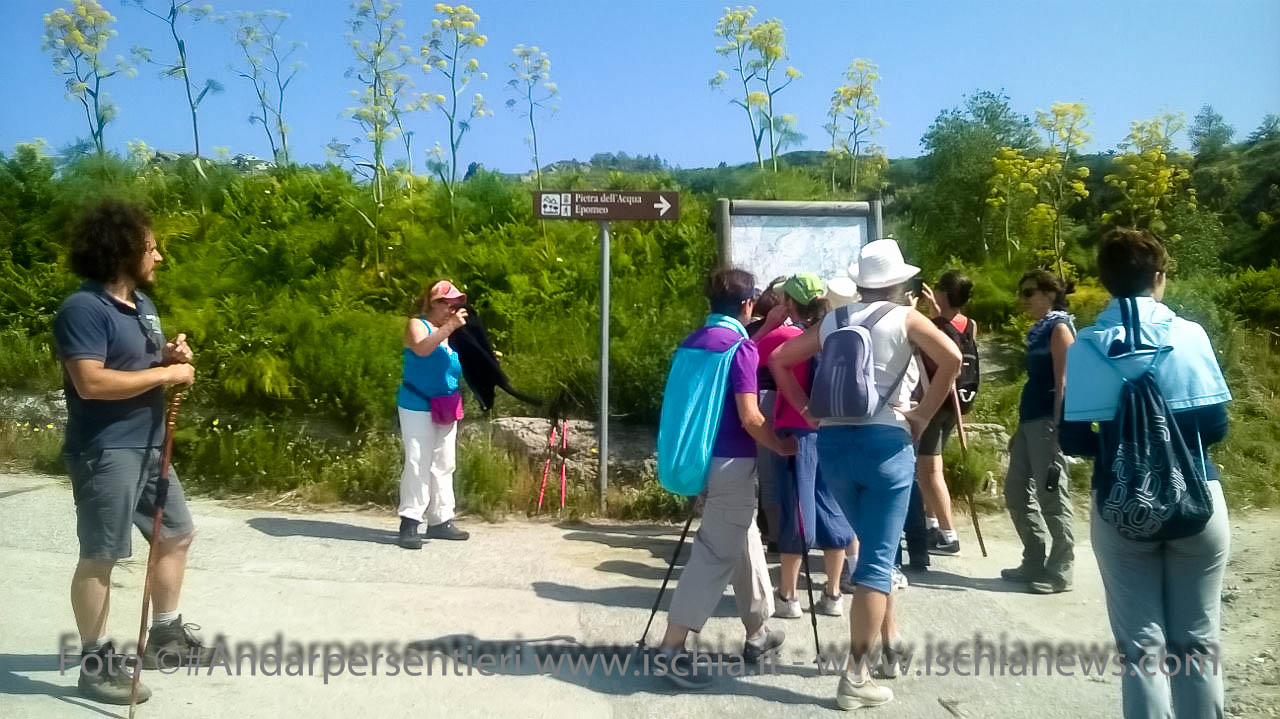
336,577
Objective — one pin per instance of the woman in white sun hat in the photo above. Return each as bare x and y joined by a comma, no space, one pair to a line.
871,461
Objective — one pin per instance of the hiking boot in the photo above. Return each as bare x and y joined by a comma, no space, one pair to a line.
447,530
945,547
786,608
754,650
831,606
409,537
852,694
1021,573
107,679
682,671
1049,586
175,645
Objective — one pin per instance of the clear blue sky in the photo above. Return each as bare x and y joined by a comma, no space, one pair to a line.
633,74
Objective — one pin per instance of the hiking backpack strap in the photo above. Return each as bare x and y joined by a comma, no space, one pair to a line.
878,314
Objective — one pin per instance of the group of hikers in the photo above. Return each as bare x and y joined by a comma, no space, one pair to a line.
834,407
831,405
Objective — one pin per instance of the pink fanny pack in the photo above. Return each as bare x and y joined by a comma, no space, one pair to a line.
446,409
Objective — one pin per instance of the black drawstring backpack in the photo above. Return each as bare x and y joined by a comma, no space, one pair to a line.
1156,490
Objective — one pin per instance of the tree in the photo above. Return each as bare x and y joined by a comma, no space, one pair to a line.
452,38
856,101
1152,176
534,88
257,34
180,67
77,41
756,51
1267,129
949,210
1209,133
1064,126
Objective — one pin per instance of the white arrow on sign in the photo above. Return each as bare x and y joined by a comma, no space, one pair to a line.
662,205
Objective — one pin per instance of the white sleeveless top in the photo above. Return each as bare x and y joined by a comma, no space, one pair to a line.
891,351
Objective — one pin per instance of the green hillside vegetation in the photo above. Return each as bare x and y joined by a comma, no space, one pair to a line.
293,286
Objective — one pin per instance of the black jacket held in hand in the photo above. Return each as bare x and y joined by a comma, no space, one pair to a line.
480,367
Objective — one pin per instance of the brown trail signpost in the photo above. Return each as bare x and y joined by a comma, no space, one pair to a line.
603,206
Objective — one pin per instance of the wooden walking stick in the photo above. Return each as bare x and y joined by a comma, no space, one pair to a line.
964,451
162,495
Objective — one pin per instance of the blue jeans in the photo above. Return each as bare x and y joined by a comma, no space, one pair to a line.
799,485
870,469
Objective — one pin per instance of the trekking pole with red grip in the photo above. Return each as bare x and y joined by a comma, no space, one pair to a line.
564,451
162,494
546,468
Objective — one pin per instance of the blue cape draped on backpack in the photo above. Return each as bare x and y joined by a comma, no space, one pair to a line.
692,405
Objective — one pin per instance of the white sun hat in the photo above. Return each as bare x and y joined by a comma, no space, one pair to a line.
841,291
880,265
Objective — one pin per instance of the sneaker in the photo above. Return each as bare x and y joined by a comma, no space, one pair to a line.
916,566
899,580
107,679
934,537
786,608
831,606
175,645
447,530
852,694
1021,573
409,537
1049,586
681,670
754,650
945,547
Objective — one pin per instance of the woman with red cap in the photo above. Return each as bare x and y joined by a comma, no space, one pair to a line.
430,406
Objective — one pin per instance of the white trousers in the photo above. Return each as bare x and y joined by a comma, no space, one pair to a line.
426,484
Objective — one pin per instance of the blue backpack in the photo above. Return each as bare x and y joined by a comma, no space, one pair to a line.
691,407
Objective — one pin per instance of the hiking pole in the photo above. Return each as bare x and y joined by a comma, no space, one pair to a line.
670,568
546,468
162,494
564,450
804,560
964,451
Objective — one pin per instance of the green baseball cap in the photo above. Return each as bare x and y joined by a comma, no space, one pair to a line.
804,287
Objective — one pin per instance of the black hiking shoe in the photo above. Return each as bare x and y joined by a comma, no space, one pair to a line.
447,530
106,678
409,537
175,645
1022,574
945,547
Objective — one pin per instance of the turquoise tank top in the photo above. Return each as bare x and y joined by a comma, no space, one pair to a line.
435,375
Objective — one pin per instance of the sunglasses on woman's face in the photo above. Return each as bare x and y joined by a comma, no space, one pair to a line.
1029,292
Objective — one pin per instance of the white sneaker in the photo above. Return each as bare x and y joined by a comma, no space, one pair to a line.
851,694
786,608
899,580
829,605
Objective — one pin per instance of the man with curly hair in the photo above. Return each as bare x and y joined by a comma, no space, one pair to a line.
117,364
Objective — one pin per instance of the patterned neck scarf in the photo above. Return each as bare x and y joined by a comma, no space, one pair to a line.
1046,323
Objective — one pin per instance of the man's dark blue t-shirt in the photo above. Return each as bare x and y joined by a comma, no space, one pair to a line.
92,324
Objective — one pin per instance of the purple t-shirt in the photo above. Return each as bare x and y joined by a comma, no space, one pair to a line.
732,440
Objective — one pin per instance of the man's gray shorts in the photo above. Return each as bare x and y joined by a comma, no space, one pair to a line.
114,490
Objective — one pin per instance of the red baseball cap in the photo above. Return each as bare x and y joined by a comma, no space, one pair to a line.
444,290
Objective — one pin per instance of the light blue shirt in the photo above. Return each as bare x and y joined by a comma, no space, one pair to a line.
1186,370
